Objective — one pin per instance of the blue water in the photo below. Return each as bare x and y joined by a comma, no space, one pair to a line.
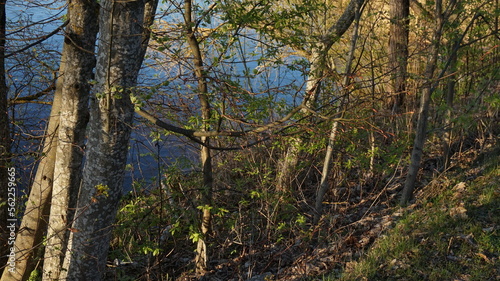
34,69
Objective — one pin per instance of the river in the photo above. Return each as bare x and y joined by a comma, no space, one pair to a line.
34,69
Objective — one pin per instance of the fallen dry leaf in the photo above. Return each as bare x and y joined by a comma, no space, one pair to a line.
484,257
458,212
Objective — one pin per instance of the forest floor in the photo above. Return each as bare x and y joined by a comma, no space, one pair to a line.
450,231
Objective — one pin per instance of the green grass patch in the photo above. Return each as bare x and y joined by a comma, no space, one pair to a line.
453,236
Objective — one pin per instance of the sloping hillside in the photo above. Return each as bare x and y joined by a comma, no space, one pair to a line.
450,233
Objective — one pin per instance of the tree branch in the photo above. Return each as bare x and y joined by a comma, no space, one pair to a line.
33,98
38,41
343,23
418,8
195,134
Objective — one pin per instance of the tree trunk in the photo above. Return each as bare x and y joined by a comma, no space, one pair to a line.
111,114
450,96
429,87
149,17
287,166
201,259
420,134
323,186
398,51
78,52
4,145
34,223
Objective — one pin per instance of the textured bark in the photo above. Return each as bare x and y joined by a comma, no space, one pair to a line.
450,96
34,223
398,51
4,144
78,52
342,24
287,166
111,112
201,259
420,134
323,186
431,84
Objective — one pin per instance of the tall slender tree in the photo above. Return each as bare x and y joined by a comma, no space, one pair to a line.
327,163
78,53
205,154
111,112
428,88
449,98
4,142
318,59
432,81
34,221
398,51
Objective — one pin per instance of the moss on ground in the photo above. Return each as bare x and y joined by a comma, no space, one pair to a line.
452,235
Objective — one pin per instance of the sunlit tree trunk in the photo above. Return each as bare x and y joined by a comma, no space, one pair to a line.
327,163
111,113
398,51
205,154
149,17
287,167
449,96
78,52
34,222
420,134
431,83
4,143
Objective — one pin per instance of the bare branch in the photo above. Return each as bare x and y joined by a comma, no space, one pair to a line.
343,23
38,41
33,98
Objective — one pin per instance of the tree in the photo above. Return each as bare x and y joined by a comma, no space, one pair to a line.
323,185
79,61
28,71
205,154
319,56
398,50
431,83
4,143
428,89
449,98
111,111
34,222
